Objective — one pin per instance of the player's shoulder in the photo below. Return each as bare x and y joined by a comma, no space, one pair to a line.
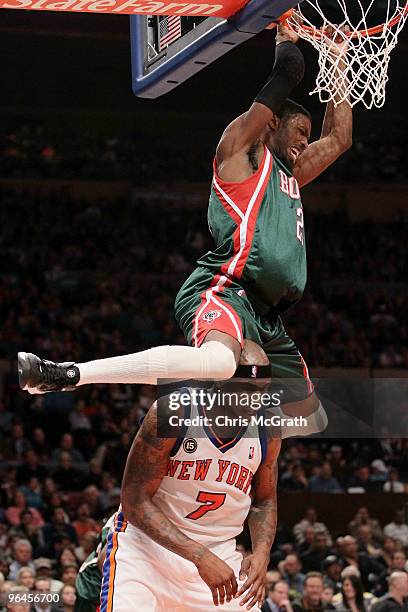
166,417
175,401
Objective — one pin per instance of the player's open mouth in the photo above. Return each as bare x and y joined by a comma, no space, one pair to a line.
295,152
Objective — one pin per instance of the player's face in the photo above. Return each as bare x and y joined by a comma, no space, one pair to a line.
291,139
243,396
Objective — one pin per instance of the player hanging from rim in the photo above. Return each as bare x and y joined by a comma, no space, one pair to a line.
184,500
258,266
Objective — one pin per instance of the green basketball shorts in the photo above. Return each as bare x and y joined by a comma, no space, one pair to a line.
202,305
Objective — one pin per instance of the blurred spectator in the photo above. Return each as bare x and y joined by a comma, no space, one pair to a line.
292,573
361,481
313,558
92,497
398,561
338,463
366,541
277,599
30,468
308,538
69,573
84,523
16,445
116,455
87,544
331,569
94,475
40,444
312,594
294,478
25,577
44,569
22,557
66,446
362,517
13,513
68,597
352,596
327,594
393,484
310,520
366,565
398,529
17,592
66,557
379,474
387,551
68,477
323,481
110,492
79,420
272,576
59,526
43,585
27,529
395,599
32,491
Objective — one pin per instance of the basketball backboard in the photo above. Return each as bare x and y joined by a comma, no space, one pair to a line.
166,51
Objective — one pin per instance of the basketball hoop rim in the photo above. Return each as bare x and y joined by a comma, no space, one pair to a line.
316,33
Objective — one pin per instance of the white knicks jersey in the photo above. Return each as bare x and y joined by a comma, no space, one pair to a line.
206,491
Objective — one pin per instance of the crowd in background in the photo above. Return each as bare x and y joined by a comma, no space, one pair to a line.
34,150
99,285
82,280
55,495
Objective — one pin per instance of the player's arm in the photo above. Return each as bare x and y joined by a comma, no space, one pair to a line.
247,129
335,139
262,521
146,466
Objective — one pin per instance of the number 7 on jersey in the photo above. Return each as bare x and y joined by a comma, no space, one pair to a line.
209,501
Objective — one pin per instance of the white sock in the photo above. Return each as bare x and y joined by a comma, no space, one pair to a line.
213,360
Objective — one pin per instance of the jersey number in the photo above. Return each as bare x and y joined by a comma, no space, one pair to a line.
299,225
210,501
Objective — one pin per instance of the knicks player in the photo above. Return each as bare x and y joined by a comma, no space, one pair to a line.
172,547
257,268
89,579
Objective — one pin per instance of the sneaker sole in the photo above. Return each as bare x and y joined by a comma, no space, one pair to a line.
24,371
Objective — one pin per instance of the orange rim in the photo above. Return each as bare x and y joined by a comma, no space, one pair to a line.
369,32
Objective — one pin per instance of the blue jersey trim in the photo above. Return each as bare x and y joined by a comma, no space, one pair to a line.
263,439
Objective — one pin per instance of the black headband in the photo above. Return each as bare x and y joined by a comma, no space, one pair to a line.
253,371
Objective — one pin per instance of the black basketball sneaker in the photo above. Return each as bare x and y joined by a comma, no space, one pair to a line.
37,375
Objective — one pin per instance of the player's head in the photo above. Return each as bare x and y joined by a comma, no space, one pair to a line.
250,382
253,369
289,135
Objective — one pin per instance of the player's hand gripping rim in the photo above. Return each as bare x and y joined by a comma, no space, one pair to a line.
254,568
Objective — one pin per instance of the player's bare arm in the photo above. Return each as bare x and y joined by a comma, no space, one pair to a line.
262,521
335,139
145,468
240,148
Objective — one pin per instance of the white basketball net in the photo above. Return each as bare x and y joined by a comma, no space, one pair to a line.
359,72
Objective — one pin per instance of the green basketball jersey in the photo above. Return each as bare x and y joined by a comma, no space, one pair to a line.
258,229
89,578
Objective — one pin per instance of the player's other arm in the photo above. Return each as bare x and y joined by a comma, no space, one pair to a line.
247,129
262,521
146,466
336,136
